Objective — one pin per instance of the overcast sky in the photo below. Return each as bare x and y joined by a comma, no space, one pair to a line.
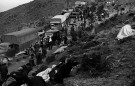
8,4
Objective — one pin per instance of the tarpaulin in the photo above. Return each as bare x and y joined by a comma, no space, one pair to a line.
125,31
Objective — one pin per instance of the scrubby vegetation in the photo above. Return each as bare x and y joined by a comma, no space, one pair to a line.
104,61
32,14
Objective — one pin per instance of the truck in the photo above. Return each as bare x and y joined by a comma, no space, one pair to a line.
58,22
19,40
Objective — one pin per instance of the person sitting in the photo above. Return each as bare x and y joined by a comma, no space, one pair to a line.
62,71
17,78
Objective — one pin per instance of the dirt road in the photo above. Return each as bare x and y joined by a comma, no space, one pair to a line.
16,65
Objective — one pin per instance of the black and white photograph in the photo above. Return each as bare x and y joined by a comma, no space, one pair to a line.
67,42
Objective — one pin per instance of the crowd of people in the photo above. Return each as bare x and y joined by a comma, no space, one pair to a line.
38,52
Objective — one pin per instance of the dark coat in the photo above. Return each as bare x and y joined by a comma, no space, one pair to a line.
39,58
20,77
3,71
63,71
37,81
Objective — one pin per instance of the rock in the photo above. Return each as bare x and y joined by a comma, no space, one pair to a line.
74,70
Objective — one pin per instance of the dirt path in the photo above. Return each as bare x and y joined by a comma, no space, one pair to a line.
16,65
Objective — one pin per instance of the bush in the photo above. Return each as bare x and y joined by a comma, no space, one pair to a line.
90,60
87,38
95,64
63,58
85,64
50,59
103,49
73,49
90,44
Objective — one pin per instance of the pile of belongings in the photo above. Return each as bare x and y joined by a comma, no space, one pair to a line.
125,32
59,50
45,74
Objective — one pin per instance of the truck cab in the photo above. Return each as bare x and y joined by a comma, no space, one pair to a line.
58,22
4,47
55,34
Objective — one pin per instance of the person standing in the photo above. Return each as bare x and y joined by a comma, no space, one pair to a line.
50,43
31,61
44,52
72,30
58,40
74,37
79,31
36,47
41,43
47,42
66,30
32,49
39,57
65,39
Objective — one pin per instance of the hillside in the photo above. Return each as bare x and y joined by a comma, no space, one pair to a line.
30,13
20,16
116,68
27,14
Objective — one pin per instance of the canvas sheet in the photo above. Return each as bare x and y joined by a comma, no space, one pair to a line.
125,31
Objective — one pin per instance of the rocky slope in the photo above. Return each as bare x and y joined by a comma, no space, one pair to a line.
27,14
32,13
120,56
103,43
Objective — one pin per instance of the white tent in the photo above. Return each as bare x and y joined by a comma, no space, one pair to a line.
125,31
